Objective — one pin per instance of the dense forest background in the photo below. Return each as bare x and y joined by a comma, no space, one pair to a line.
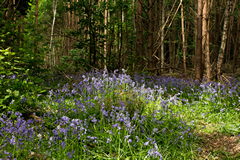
194,38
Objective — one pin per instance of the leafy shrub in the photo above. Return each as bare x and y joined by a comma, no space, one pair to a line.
18,90
73,63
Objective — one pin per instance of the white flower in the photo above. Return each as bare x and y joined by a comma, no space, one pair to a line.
39,135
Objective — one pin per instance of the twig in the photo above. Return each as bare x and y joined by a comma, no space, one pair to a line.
2,3
65,75
226,79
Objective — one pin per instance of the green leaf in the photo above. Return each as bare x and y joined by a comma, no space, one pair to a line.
16,93
1,57
7,96
8,63
4,50
3,106
6,53
9,91
1,101
43,91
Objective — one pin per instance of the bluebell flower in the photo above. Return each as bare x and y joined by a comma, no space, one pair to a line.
108,140
154,153
129,141
146,143
199,149
23,100
13,140
63,144
127,136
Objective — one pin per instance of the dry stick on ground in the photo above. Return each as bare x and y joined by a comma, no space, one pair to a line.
226,79
66,76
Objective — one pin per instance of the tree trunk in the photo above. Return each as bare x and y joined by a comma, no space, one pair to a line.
105,34
36,24
224,37
52,30
236,47
140,35
229,39
162,36
150,35
121,38
159,35
205,42
198,54
126,34
217,31
184,45
69,27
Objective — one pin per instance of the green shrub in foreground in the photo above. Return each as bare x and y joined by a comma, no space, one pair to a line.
17,88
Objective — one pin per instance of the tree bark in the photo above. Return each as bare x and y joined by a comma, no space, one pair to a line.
224,37
150,34
159,35
120,62
36,24
184,45
105,34
126,36
217,31
198,54
51,41
229,39
236,47
140,35
205,42
162,35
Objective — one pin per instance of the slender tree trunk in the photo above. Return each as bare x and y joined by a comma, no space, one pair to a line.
216,40
217,30
52,30
159,35
229,39
184,45
198,54
90,32
140,35
105,34
173,45
205,42
22,30
150,34
162,35
126,34
69,27
224,37
73,25
112,38
236,47
170,43
36,23
121,37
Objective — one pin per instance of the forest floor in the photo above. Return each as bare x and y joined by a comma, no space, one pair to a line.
214,143
101,115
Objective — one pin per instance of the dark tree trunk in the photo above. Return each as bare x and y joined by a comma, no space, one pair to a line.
150,35
140,36
198,54
236,47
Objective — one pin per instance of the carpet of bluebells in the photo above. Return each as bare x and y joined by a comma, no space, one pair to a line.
104,115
